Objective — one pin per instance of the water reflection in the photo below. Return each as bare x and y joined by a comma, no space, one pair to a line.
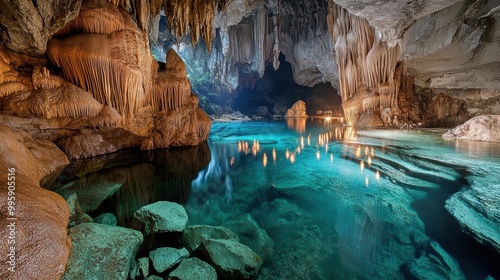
297,124
122,183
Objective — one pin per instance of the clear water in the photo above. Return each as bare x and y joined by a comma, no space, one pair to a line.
337,203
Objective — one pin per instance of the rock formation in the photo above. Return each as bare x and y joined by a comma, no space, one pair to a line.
80,74
482,128
41,216
298,110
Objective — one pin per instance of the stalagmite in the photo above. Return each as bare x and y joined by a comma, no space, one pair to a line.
365,64
171,88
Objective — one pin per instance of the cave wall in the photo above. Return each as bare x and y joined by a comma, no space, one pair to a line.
372,58
447,48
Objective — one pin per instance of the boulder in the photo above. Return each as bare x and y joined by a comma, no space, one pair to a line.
252,235
482,128
102,252
162,216
231,259
143,264
193,269
298,110
106,219
165,258
194,236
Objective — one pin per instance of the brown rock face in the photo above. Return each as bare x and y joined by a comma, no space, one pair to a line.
41,245
27,25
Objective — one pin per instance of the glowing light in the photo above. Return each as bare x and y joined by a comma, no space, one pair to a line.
274,155
255,147
369,160
302,142
298,150
328,119
357,153
243,147
287,154
366,181
231,162
318,155
309,140
264,160
361,165
377,175
331,157
292,158
372,152
366,150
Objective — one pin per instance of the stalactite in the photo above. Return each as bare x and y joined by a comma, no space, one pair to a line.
363,62
10,87
276,45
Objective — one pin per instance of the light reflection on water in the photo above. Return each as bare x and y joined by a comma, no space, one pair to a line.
366,184
337,203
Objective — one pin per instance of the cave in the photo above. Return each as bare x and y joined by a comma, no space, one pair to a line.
249,139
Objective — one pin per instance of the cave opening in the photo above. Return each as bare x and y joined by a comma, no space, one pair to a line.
271,95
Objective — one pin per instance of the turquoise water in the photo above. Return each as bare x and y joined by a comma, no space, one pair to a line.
336,203
339,203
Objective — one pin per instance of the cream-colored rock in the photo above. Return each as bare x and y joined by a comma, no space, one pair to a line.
298,110
482,128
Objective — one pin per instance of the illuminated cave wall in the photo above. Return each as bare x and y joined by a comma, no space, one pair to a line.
370,80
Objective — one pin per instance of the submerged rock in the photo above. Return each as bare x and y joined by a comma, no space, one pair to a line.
193,269
106,219
252,235
194,236
232,259
434,264
476,209
76,214
162,216
166,258
482,128
102,252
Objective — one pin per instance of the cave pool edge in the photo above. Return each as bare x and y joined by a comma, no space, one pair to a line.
337,202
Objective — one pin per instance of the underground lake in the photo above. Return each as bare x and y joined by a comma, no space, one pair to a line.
313,198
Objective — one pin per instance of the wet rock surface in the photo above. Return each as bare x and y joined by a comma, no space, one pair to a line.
194,236
435,263
476,211
162,216
101,251
193,269
165,258
231,259
252,235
